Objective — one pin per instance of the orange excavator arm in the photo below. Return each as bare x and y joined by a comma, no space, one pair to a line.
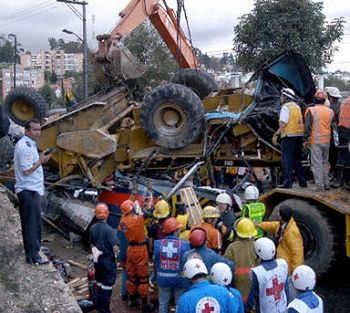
164,20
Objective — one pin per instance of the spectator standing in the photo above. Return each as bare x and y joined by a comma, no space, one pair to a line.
29,188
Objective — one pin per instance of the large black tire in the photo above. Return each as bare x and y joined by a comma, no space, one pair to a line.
317,231
23,104
199,81
172,116
4,122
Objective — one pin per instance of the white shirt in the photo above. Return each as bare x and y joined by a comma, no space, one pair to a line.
284,114
26,154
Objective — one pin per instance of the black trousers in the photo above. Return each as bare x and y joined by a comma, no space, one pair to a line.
291,160
103,300
30,214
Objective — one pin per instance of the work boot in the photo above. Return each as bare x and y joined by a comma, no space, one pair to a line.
338,177
133,303
146,307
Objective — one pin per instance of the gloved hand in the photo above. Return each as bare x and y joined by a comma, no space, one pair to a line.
274,139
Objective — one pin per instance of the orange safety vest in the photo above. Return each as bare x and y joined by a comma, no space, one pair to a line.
321,124
133,228
295,125
344,115
214,236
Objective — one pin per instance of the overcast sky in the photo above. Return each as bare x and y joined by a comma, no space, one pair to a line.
211,22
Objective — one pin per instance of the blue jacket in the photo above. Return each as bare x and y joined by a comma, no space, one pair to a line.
237,299
253,297
167,256
208,256
309,298
206,297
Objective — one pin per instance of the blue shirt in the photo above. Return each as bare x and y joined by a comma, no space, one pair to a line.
309,299
206,297
237,299
25,155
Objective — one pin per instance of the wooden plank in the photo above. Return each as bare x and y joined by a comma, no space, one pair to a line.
192,205
77,264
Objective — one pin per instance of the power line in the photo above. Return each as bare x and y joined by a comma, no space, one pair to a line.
75,11
28,16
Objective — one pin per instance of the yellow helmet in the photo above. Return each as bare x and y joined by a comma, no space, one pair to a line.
210,212
161,210
183,219
245,228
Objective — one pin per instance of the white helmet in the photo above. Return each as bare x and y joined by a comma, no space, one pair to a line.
304,278
333,92
194,267
251,193
289,93
221,274
265,248
224,198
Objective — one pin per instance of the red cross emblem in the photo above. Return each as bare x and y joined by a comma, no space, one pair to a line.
207,308
225,280
296,276
275,290
197,266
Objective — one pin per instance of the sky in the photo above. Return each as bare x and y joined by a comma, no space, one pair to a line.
211,22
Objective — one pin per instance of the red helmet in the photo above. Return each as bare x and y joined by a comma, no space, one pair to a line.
198,237
101,211
320,94
127,206
170,225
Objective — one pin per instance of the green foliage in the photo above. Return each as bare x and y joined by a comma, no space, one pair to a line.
335,81
47,92
68,47
53,78
274,26
149,48
6,50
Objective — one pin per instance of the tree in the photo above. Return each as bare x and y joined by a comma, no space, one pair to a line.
53,78
6,50
149,48
68,47
53,43
274,26
334,81
47,92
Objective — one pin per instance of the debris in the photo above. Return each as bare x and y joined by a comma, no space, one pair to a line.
79,265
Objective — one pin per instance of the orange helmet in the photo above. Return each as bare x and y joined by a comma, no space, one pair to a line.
101,211
198,237
170,225
127,206
320,94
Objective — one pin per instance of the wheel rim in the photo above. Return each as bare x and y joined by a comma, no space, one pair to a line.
309,241
169,119
22,110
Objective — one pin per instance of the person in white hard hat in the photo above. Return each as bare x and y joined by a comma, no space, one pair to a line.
226,221
221,275
307,301
202,295
291,131
253,209
269,280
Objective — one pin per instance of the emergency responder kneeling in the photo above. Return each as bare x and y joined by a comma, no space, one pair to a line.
168,253
137,259
103,240
202,295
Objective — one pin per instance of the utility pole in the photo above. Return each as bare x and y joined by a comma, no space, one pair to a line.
85,47
14,59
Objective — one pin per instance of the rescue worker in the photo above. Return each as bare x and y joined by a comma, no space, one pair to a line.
123,248
214,240
185,230
198,239
291,130
168,253
132,225
269,280
252,209
304,280
241,253
287,238
334,97
161,212
318,121
221,275
343,161
103,240
226,221
203,296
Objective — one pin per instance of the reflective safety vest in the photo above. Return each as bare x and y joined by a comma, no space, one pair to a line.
256,212
272,293
302,304
344,116
321,124
295,125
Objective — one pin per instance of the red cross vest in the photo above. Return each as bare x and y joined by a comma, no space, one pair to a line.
272,293
301,307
